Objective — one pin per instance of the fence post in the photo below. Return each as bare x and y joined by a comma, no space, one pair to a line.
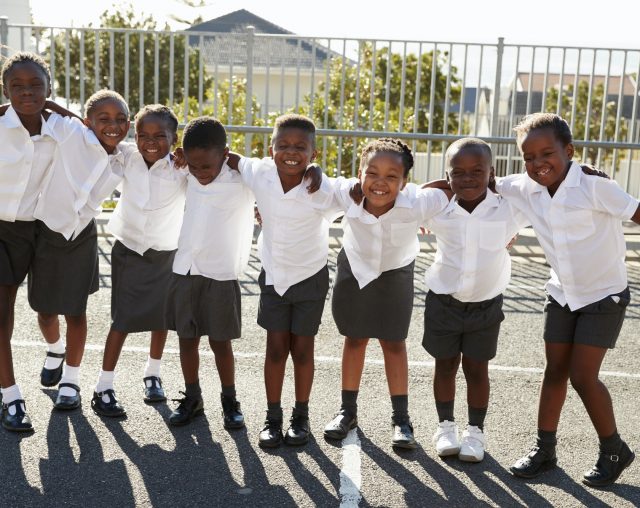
4,45
496,88
248,100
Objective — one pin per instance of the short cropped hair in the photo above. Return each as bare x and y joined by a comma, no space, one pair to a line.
295,122
159,111
25,57
204,132
388,145
557,124
470,143
104,95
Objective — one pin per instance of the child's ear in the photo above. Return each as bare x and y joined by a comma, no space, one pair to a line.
492,174
271,151
226,152
570,150
87,123
314,154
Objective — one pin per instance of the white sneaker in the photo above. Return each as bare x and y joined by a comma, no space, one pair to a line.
472,445
446,439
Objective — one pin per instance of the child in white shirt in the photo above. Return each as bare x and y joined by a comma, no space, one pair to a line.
146,224
213,250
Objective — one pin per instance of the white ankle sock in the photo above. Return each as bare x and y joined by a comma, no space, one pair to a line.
69,375
57,347
9,395
152,368
105,380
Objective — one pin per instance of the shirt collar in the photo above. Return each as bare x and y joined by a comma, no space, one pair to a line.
573,178
490,201
162,163
12,121
358,211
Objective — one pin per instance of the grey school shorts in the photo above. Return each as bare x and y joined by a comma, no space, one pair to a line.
200,306
299,310
452,327
597,324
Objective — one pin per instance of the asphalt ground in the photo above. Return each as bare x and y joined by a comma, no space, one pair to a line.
79,459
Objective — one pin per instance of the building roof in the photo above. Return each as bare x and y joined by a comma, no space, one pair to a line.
568,79
231,48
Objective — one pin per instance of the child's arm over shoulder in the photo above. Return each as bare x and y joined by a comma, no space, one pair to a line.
60,110
429,201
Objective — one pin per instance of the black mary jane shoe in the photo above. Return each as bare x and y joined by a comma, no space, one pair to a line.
403,435
339,427
18,422
112,408
299,430
153,391
68,402
609,467
233,417
534,463
271,434
51,377
188,408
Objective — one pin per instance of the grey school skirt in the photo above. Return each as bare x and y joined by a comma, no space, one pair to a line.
382,309
17,245
64,272
139,289
200,306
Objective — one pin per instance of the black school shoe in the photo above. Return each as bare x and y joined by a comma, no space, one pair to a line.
51,377
535,462
299,430
188,408
233,417
68,402
609,467
20,421
153,391
403,434
271,434
339,427
112,408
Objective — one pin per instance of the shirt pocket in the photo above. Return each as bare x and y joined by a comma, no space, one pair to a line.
580,224
492,236
164,191
404,234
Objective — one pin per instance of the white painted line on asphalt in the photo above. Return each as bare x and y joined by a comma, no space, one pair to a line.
329,359
350,475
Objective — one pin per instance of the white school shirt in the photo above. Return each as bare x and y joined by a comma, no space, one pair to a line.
71,184
472,263
377,244
24,163
149,212
294,242
217,230
580,231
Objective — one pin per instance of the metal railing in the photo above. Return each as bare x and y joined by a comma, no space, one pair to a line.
426,92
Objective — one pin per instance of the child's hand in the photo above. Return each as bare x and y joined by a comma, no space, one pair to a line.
57,108
3,109
314,175
355,193
233,160
588,169
441,184
179,160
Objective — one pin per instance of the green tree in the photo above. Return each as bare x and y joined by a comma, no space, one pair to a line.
128,19
595,116
356,97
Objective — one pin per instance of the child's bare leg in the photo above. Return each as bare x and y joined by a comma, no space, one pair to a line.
275,363
190,360
49,326
7,303
302,354
476,374
396,366
554,385
112,349
158,341
353,354
225,362
584,370
76,338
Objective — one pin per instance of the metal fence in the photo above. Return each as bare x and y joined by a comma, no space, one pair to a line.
429,93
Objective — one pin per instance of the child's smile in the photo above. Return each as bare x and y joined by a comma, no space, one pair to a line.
27,88
109,122
382,179
469,173
292,151
545,158
154,139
